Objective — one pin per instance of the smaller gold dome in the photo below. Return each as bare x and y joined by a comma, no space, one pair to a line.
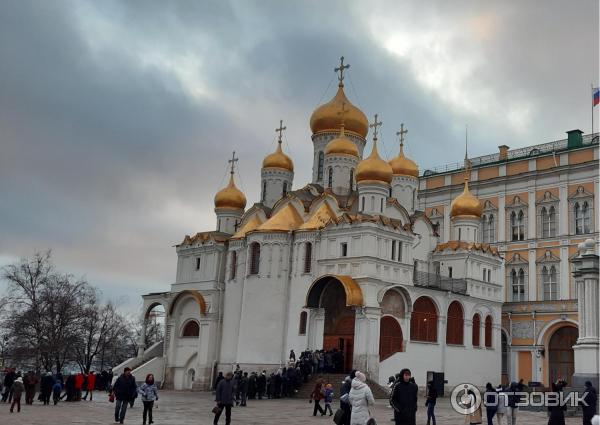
230,197
374,168
327,118
402,166
341,145
466,204
278,159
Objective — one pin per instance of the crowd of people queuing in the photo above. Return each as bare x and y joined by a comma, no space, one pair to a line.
56,387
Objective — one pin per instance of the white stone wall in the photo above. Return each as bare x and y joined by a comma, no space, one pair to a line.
405,190
342,168
272,183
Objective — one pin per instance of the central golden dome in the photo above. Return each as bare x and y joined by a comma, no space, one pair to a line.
402,166
374,168
327,118
230,197
278,159
465,204
341,145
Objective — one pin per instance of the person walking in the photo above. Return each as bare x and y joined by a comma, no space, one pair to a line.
557,413
591,401
46,384
360,397
17,391
78,385
56,390
513,399
292,356
316,396
149,394
344,395
90,385
502,405
328,398
224,399
125,390
404,399
432,396
9,379
29,382
491,403
243,383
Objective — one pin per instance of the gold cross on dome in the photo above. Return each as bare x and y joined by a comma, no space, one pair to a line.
232,161
401,133
342,112
374,127
280,130
340,69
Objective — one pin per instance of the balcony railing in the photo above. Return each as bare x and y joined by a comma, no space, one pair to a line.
442,283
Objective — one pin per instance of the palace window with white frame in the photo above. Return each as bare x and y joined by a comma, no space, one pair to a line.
517,284
549,283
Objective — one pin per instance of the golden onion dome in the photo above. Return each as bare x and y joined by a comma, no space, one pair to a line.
465,204
327,118
374,168
278,160
402,166
230,197
341,145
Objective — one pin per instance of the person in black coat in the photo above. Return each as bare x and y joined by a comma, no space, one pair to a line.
557,413
404,399
46,384
591,401
432,396
219,378
125,390
224,399
491,403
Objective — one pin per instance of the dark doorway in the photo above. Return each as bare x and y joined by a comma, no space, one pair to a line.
561,356
338,333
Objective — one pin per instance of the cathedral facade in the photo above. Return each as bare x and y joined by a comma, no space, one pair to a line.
347,262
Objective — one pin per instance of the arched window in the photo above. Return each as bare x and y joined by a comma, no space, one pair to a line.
455,324
363,204
320,166
582,218
307,257
491,229
329,177
414,198
484,228
264,191
517,283
476,329
548,219
372,203
233,265
390,337
302,326
191,329
489,275
381,204
285,188
351,180
517,224
423,321
254,258
488,332
549,283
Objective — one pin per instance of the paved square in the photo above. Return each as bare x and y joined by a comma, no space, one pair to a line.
183,408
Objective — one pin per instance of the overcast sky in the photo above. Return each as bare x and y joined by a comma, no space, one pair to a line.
117,118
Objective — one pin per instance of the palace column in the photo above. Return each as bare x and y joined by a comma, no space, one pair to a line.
587,348
366,341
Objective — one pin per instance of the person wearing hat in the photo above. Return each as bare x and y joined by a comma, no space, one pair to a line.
360,398
125,390
17,391
404,399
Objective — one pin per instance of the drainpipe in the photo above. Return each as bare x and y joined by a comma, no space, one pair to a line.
287,300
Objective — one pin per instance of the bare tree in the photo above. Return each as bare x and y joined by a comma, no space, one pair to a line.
100,330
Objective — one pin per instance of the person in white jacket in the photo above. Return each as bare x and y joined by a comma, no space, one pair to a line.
360,398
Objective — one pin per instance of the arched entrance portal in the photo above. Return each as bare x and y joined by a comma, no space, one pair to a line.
561,359
337,296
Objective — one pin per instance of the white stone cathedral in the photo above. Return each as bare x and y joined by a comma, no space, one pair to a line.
345,261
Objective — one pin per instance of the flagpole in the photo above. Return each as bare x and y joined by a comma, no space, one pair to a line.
592,86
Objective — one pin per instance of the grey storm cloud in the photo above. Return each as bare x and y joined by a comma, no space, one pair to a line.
117,118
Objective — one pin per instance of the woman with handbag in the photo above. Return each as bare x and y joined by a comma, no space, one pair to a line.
360,397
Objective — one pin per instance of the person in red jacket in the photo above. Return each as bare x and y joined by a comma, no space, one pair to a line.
90,385
78,386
